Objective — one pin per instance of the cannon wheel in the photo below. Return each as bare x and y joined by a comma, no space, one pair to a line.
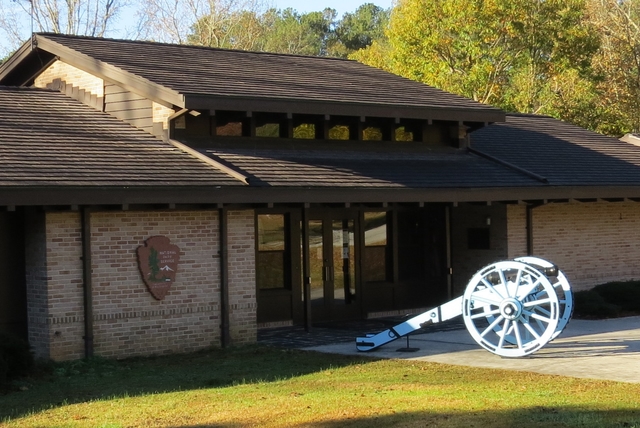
563,290
517,298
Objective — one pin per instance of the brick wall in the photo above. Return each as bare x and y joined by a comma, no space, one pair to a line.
517,230
54,285
65,285
592,242
71,75
128,320
36,282
242,276
161,114
466,262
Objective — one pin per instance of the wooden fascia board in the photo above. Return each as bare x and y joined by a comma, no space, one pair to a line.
106,71
57,196
14,60
25,65
315,107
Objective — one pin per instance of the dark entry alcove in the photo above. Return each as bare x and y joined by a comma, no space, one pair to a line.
13,294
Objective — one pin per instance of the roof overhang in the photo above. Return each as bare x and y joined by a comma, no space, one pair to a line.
298,106
25,65
59,196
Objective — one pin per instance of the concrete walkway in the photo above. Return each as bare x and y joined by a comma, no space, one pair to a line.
603,349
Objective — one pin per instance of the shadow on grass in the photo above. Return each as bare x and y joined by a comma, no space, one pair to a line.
96,379
100,379
530,417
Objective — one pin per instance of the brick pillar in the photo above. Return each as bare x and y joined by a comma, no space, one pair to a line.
242,277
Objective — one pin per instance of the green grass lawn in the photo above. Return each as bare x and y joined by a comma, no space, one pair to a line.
261,386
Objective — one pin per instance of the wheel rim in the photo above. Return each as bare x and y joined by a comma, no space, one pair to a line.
510,308
563,291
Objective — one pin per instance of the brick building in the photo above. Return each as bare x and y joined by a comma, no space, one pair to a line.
296,189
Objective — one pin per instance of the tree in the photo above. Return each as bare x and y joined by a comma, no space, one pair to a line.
514,54
80,17
234,30
618,62
556,45
358,30
204,22
287,31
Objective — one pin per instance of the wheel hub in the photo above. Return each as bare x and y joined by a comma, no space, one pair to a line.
511,309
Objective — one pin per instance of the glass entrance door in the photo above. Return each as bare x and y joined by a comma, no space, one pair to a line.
332,255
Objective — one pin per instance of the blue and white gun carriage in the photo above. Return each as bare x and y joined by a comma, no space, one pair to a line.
511,308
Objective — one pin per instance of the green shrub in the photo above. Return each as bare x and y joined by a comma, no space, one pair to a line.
626,295
590,304
16,358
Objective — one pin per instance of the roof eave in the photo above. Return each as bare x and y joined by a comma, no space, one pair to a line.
201,194
320,107
25,65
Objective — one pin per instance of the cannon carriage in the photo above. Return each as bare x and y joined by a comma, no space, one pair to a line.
510,308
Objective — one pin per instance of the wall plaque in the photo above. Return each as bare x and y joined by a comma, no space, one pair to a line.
158,261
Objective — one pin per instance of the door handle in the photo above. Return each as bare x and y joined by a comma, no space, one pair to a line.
327,273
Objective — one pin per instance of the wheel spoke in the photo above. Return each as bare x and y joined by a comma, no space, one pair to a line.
541,318
504,329
543,310
517,334
536,302
492,288
504,282
485,300
532,286
517,282
491,326
531,330
485,314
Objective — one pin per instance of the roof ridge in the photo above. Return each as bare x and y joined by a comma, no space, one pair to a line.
150,42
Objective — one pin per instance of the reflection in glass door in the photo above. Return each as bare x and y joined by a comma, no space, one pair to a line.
343,268
317,264
332,268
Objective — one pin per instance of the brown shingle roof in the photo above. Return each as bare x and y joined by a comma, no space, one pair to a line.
566,155
367,168
49,139
192,70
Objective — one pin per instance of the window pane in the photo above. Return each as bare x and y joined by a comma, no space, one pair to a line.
268,130
339,132
376,249
271,269
271,232
375,268
305,130
375,229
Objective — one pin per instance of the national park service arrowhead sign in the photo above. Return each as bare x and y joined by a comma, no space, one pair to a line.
158,261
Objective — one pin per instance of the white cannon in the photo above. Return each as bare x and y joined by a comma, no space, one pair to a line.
511,308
